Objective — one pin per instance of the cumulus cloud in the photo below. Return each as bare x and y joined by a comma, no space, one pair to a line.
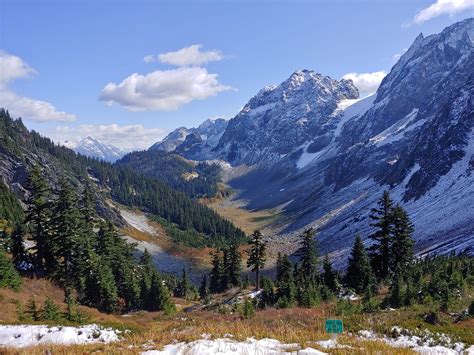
163,90
367,83
128,137
35,110
12,68
187,56
443,7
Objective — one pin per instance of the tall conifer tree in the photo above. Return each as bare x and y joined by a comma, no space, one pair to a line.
256,255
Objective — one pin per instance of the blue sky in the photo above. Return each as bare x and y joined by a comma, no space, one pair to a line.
67,66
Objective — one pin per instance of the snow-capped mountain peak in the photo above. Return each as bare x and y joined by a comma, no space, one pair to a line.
94,148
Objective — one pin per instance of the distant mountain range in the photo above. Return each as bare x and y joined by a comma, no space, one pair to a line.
93,148
324,155
194,143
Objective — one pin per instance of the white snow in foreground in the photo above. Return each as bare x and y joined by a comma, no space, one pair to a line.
28,335
421,344
227,346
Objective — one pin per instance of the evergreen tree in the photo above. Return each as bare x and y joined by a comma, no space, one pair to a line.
204,292
329,276
20,259
38,217
184,286
65,240
359,273
71,314
256,256
159,298
232,265
32,309
307,272
9,277
217,271
100,290
87,207
402,243
267,297
50,310
308,254
286,291
147,272
395,296
382,217
118,254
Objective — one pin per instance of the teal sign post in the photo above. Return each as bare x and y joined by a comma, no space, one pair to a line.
334,326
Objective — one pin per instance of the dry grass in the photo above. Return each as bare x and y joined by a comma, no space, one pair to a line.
234,211
301,326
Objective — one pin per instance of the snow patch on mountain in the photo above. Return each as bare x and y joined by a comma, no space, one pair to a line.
93,148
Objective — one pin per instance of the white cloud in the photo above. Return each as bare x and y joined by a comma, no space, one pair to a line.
367,83
187,56
163,90
12,68
35,110
443,7
130,137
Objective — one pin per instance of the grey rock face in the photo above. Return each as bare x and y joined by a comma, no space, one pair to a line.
327,157
194,143
281,118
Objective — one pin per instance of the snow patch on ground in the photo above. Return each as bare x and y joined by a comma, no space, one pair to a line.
138,221
421,343
28,335
228,346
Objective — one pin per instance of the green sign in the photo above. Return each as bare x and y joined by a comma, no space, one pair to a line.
334,326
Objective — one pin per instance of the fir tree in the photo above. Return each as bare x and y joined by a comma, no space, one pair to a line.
65,240
32,309
359,273
147,272
100,290
307,272
267,297
38,217
382,217
329,276
216,273
308,254
159,298
50,310
20,259
204,292
232,265
402,243
9,277
286,291
184,286
256,256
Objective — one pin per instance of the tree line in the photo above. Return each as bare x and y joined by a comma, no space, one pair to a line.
125,185
388,260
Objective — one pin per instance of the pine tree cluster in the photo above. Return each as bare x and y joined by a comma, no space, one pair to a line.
84,254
